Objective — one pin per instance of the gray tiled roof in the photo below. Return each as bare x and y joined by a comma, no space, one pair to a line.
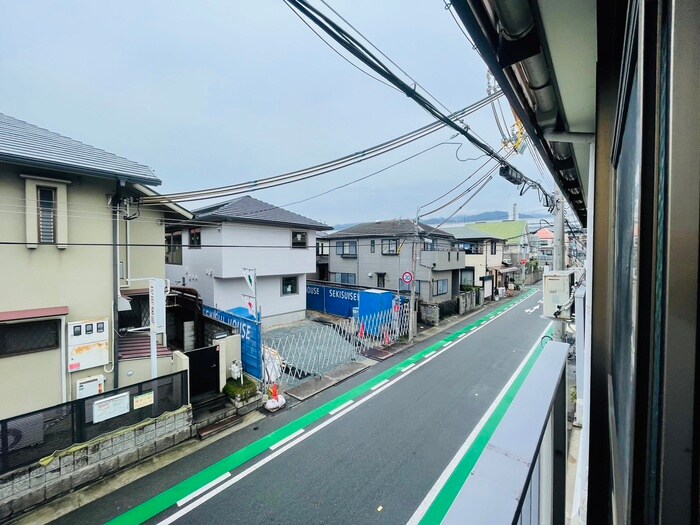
466,233
248,209
29,145
393,227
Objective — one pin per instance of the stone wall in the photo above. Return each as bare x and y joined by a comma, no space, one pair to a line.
430,313
85,463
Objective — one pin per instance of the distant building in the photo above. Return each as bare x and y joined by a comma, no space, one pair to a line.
376,254
210,254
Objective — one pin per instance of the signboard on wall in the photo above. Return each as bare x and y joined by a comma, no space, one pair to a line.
251,343
331,300
110,407
88,344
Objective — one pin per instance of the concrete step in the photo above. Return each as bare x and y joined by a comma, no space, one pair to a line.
219,426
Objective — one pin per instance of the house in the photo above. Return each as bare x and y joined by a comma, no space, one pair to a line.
483,256
377,254
323,247
210,254
70,220
544,247
513,232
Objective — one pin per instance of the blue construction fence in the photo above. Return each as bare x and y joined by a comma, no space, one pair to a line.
251,337
344,302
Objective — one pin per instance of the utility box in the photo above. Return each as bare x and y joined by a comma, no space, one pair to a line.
375,307
557,292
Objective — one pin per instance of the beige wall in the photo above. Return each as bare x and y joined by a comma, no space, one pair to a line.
134,371
79,277
142,262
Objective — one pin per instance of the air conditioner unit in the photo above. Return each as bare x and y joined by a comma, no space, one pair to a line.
90,386
557,292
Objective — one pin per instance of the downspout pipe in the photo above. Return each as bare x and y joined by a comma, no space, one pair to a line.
116,201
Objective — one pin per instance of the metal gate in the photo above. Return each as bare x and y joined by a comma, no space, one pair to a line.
308,349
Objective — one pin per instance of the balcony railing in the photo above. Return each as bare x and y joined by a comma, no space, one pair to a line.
521,474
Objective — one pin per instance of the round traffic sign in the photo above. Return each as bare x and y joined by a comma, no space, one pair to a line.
407,277
523,261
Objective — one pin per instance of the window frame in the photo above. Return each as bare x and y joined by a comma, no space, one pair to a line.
172,249
338,277
494,251
436,287
283,287
194,233
386,247
27,324
342,248
372,246
39,215
299,244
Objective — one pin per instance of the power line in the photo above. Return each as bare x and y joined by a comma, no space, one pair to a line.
319,169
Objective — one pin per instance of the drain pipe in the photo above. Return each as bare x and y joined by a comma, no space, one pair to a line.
115,277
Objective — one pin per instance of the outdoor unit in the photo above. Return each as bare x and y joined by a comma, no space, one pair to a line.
90,386
557,292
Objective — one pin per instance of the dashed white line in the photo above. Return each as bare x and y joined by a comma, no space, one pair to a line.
430,353
380,384
287,439
341,407
408,367
203,489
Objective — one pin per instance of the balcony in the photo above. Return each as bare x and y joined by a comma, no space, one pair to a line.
520,475
442,260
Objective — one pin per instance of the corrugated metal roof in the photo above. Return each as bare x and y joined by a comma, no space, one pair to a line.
466,233
136,345
248,209
390,228
29,145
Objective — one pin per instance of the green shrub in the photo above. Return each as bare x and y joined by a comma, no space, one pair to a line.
233,388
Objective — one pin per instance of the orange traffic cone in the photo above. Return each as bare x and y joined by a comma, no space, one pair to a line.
387,339
361,335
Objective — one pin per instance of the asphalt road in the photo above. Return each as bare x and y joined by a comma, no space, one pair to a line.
373,464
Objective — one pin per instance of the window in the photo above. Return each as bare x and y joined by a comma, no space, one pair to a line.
372,246
346,248
440,287
390,246
290,285
322,248
195,237
407,287
298,239
430,245
493,247
34,336
381,278
173,248
344,278
46,214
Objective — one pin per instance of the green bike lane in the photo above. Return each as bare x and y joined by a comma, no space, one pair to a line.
260,448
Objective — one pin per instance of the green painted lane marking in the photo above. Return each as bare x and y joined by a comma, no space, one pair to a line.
447,495
170,497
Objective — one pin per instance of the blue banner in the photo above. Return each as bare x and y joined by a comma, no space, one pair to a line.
251,342
331,300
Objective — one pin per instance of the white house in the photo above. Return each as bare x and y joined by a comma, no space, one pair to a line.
210,254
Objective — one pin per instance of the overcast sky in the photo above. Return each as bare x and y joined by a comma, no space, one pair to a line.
215,93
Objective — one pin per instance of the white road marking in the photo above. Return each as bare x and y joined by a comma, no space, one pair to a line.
380,384
408,367
341,407
290,442
287,439
452,465
429,354
203,489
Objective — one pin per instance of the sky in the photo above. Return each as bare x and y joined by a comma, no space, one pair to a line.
215,93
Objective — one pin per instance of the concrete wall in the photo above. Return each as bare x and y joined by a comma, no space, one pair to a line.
133,371
83,464
142,262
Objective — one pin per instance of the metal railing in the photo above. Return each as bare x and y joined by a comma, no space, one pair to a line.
29,437
291,360
520,477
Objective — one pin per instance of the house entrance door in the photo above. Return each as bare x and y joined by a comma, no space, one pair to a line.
204,371
381,277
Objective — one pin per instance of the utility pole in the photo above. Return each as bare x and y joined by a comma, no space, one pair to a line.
414,264
558,262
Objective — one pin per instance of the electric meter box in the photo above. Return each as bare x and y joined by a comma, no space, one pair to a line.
557,292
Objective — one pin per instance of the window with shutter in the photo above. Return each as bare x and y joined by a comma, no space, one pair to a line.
46,209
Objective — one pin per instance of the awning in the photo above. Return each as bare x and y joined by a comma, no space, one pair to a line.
505,269
34,313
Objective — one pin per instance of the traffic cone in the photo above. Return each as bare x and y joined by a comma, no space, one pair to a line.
361,335
387,339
